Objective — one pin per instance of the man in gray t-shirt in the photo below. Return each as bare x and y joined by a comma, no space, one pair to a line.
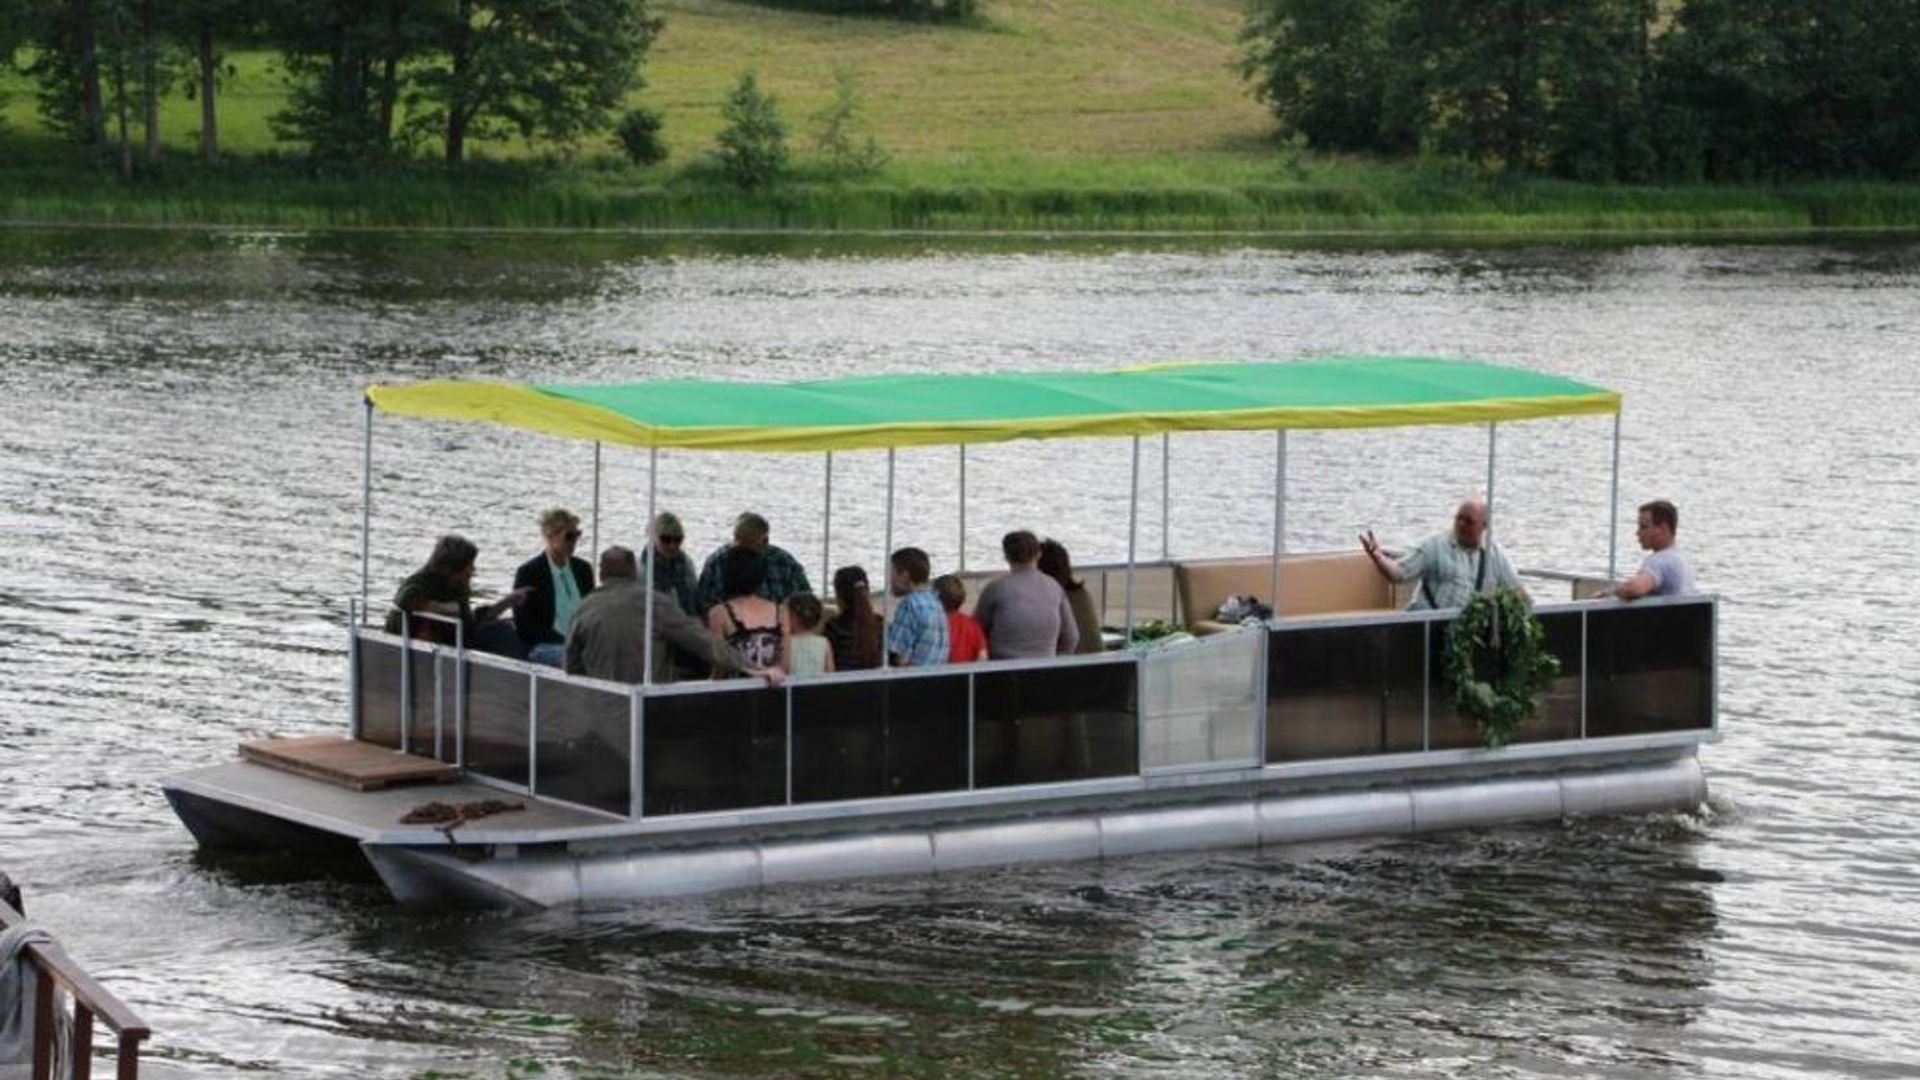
1026,615
1665,571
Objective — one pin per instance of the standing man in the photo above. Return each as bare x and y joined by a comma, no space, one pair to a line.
1026,614
918,634
784,575
609,638
1450,566
556,581
1666,570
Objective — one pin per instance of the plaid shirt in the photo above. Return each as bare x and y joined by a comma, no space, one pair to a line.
918,634
784,578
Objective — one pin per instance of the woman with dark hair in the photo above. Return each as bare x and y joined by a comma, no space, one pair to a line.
855,631
752,624
1058,565
445,587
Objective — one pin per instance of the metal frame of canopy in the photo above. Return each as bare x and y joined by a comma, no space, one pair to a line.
1278,547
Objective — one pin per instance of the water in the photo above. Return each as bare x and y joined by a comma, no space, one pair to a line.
179,458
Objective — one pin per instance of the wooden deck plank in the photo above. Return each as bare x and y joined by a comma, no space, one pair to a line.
346,762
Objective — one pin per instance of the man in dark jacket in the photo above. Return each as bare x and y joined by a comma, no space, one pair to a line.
558,581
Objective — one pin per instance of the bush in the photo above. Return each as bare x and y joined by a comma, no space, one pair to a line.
753,145
639,136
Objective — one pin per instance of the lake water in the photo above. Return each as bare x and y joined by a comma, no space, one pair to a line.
180,492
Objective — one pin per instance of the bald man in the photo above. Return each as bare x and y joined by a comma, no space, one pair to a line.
1450,566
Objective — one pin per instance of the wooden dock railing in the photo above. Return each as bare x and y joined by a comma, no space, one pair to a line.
90,1000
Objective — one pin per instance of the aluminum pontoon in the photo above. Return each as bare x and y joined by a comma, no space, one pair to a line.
1317,724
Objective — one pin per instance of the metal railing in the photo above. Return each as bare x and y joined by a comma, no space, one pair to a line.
590,745
58,974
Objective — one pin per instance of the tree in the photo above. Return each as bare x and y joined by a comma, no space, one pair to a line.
1322,67
196,23
332,54
638,133
555,69
753,145
849,150
66,68
1556,86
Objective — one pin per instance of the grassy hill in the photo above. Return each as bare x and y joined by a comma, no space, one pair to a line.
1046,114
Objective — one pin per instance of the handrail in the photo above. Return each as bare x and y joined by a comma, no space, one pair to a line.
90,999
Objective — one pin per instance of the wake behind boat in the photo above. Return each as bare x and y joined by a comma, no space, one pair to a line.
1332,718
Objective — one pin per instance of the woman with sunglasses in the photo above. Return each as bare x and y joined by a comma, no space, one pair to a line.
556,580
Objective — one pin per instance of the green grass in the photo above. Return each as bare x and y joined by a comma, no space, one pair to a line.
1082,115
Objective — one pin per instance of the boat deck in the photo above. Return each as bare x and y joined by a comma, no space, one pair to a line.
374,815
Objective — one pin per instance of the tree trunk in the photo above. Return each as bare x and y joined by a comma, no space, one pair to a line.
150,82
88,46
457,100
209,131
120,97
390,75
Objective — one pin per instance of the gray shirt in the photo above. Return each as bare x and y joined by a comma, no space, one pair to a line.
1672,574
1448,572
1026,616
609,635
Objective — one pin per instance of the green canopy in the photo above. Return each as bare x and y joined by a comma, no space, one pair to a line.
920,410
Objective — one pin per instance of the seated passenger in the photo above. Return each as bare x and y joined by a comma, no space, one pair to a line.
807,652
918,635
855,630
966,641
609,635
783,576
750,623
1025,614
1056,564
445,587
1666,571
557,579
672,566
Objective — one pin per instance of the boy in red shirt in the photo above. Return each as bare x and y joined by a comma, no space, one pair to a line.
966,641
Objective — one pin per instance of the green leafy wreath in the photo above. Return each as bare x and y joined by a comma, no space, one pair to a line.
1496,635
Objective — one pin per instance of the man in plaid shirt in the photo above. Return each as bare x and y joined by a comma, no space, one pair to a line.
784,575
918,634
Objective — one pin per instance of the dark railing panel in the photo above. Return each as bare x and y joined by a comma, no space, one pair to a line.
496,722
715,751
1344,691
420,688
1651,669
1042,725
862,740
379,688
585,745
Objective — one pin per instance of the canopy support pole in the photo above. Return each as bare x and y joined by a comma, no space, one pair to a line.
1279,517
826,530
963,508
1166,493
1133,529
1613,508
886,572
652,557
596,501
367,494
1493,435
